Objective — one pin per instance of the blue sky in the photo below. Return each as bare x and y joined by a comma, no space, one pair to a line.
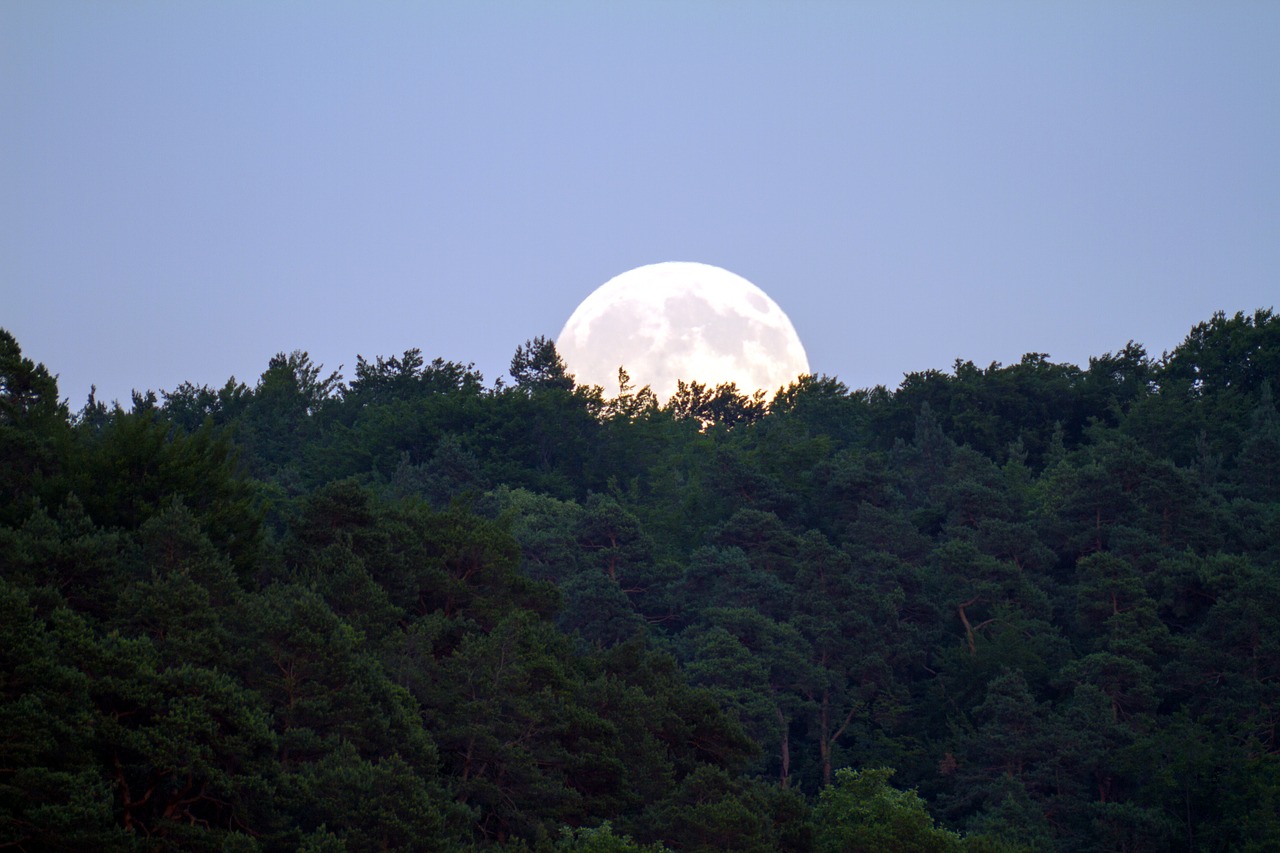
188,188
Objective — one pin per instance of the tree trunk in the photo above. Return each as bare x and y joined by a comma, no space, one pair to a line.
968,629
785,780
827,741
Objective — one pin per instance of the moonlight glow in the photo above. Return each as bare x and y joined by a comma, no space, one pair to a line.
677,320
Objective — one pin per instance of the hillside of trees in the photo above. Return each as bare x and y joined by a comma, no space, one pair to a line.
1025,607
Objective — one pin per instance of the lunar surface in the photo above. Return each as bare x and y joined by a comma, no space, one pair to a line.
680,320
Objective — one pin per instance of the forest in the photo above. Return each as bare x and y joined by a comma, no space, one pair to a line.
1022,607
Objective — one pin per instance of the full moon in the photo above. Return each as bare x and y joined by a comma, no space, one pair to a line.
680,320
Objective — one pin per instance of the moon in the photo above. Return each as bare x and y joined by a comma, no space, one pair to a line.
682,320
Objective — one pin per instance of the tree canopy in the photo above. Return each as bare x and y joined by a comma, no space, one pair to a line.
1015,607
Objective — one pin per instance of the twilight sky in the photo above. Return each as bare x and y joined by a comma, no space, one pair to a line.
188,188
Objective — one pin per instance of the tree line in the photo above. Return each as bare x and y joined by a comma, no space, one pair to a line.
1017,607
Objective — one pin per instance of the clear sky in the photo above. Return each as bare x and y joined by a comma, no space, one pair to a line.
188,188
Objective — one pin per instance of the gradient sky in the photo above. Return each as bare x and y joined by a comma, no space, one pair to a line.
188,188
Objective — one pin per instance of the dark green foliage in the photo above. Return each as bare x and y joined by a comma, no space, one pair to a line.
600,839
722,405
412,612
189,407
134,466
537,366
33,433
51,794
1258,463
862,813
405,378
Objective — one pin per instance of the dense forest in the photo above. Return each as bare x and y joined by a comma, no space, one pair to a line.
1032,606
